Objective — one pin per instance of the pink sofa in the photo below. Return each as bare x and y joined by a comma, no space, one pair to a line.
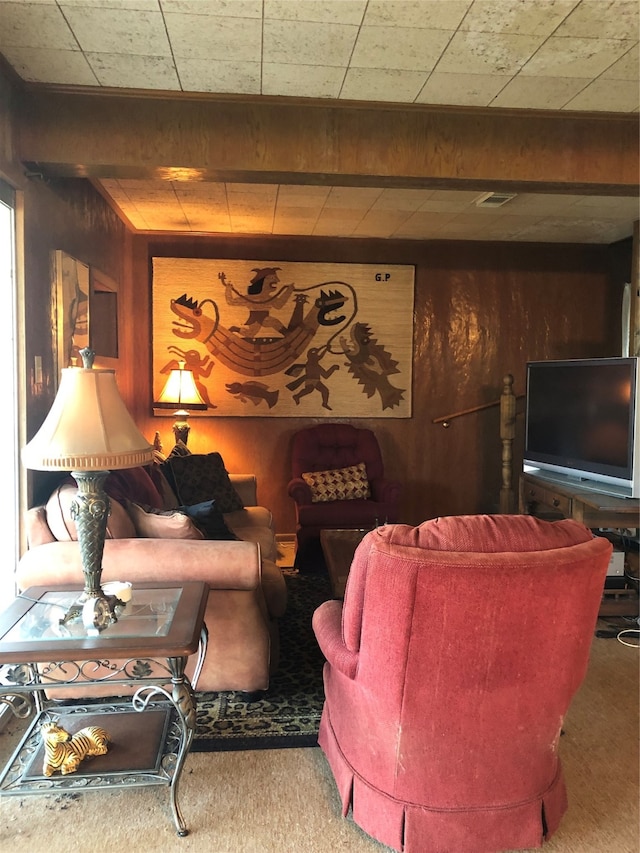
247,591
450,667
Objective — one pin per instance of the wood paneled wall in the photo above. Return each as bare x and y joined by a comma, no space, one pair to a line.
481,310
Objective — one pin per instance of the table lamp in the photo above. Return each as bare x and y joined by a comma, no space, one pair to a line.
179,393
89,432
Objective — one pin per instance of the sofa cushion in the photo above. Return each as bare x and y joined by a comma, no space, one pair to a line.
133,484
157,473
209,520
152,523
339,484
202,477
58,509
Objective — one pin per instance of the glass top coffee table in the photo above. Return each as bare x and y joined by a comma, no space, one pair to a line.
147,649
338,547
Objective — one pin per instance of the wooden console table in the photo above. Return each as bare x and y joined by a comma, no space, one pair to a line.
543,497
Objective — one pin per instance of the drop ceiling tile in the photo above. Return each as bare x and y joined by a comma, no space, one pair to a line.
208,37
400,199
291,220
399,48
360,198
238,192
443,207
539,93
200,190
34,25
472,90
466,196
40,65
616,19
376,225
302,81
374,84
607,96
302,196
333,228
119,31
136,5
425,15
427,219
608,206
201,75
515,16
158,72
487,53
626,68
303,43
349,217
575,57
219,8
317,11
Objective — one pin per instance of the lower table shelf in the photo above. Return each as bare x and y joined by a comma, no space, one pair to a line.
144,750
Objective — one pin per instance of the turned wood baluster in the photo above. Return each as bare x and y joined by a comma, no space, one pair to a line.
507,436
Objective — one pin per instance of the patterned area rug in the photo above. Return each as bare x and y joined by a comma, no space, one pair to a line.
288,714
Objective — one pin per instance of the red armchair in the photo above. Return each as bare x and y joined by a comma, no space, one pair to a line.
330,447
450,667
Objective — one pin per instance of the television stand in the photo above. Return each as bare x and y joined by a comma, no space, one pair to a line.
546,498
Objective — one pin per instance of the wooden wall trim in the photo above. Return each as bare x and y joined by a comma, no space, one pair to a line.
279,140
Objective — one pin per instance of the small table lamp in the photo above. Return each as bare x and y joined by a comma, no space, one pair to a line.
180,392
89,432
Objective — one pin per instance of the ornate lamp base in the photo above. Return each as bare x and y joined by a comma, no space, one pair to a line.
90,511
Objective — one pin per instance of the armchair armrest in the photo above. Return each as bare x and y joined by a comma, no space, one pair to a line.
327,626
385,491
299,491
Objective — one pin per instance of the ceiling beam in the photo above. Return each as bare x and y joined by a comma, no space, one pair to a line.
282,140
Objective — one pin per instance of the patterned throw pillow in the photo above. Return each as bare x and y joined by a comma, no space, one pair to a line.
342,484
203,477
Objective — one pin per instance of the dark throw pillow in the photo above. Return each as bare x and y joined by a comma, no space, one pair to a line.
203,477
208,518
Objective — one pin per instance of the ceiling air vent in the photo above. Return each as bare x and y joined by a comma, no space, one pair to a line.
494,199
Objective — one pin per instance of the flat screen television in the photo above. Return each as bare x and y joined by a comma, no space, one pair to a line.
582,423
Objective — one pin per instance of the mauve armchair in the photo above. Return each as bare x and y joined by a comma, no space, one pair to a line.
327,447
450,667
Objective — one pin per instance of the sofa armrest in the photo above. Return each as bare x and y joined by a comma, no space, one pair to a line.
299,491
36,527
247,488
222,564
327,626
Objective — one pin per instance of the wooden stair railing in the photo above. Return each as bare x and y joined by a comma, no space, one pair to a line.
507,403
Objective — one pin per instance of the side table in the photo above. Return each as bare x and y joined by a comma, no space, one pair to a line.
38,652
338,547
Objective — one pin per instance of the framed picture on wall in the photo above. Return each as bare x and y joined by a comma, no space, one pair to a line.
71,309
103,331
268,338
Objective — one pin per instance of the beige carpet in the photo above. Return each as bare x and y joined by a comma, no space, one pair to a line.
284,801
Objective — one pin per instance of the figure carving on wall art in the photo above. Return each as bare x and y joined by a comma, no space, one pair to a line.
311,379
260,300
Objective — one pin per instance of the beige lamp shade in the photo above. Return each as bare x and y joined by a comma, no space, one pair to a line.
180,391
88,427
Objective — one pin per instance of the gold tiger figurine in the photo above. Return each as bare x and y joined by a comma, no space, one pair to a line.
64,752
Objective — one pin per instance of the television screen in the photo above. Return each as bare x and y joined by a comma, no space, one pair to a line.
582,421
